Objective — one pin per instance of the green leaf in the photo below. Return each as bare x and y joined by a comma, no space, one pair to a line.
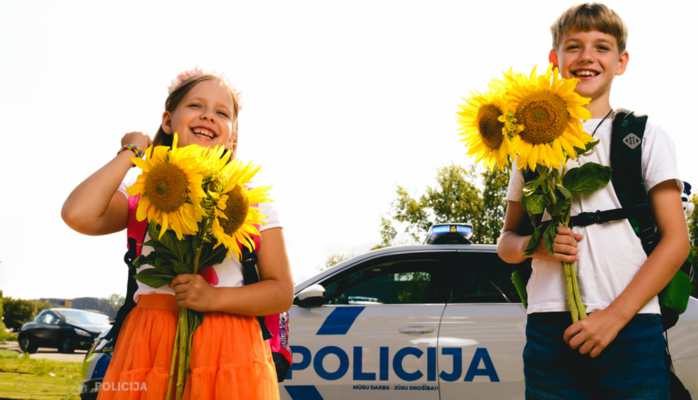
561,207
565,193
154,277
587,147
587,178
533,242
549,237
148,259
210,256
533,204
178,247
181,268
195,319
196,242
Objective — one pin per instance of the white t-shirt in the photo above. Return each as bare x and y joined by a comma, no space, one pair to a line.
226,274
610,254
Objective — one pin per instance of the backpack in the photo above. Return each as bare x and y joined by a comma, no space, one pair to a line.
275,327
626,159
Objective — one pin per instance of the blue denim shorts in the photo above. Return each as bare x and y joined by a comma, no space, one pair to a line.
631,367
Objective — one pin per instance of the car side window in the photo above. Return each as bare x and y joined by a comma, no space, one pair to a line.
52,319
482,277
402,279
41,318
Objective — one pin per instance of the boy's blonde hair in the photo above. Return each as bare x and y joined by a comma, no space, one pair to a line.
590,17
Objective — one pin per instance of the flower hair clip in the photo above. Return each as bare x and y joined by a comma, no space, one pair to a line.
184,75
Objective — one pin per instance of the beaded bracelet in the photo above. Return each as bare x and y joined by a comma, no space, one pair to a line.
133,148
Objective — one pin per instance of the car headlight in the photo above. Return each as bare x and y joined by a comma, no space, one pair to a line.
82,333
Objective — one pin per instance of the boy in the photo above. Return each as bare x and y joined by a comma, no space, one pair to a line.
617,352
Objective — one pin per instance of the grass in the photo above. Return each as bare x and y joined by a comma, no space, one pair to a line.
23,378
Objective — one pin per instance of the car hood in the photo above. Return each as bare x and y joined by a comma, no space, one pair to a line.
91,327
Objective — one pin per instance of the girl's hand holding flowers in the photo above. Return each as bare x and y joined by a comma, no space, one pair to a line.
193,292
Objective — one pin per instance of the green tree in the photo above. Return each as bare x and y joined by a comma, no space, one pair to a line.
116,301
388,234
495,209
456,197
3,334
693,234
334,259
16,312
693,221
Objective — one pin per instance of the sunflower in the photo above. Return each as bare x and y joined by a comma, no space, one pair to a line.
213,160
483,125
170,188
550,112
235,220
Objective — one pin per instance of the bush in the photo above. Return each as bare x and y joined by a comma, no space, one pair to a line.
16,312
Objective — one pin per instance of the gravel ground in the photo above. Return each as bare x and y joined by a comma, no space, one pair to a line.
47,353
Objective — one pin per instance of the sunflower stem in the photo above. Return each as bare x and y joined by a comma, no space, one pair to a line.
197,251
581,308
182,350
187,367
570,292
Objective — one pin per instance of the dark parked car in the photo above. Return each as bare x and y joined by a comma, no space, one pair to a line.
66,329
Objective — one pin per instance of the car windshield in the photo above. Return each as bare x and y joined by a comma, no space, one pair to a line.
83,317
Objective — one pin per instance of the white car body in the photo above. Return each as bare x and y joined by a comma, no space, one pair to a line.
445,349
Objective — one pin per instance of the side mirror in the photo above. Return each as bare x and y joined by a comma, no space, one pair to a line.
312,296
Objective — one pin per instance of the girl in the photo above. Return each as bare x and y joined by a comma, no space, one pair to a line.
229,359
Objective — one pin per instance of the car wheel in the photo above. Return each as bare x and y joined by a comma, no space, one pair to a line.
65,347
27,345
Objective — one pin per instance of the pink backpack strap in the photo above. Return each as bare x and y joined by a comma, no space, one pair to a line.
135,229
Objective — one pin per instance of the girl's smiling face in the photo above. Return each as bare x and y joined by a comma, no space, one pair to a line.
591,57
204,116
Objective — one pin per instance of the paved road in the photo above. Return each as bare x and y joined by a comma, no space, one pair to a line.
48,353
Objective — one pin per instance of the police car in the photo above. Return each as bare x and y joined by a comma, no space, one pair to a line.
436,321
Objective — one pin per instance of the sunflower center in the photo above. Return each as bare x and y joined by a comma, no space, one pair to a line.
166,187
544,116
161,187
236,209
489,126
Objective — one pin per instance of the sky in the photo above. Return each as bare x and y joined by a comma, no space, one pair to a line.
342,102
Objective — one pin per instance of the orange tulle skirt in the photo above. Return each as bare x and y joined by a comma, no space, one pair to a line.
229,359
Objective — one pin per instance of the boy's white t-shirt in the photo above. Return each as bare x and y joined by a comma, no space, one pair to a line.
226,274
610,254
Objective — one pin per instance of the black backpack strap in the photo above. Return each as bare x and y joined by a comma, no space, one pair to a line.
626,158
250,276
131,288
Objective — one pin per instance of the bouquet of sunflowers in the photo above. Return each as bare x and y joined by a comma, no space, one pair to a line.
535,120
198,212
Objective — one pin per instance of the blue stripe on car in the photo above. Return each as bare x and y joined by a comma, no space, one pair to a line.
340,320
303,392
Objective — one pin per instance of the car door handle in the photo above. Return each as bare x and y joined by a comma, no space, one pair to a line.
417,329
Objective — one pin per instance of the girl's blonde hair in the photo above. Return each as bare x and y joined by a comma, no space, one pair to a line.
587,17
173,100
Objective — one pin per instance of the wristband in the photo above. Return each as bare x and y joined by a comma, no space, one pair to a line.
133,148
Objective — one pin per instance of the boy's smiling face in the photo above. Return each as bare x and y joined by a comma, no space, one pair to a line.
593,58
